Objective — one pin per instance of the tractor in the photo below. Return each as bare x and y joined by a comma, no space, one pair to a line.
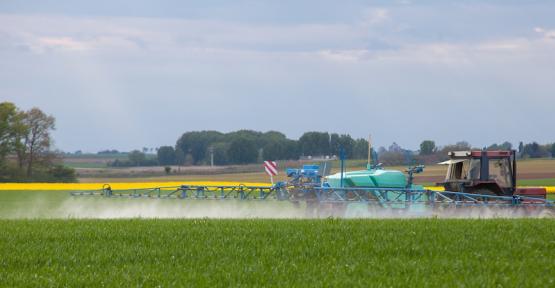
486,173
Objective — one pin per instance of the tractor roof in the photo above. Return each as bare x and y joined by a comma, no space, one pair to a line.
478,153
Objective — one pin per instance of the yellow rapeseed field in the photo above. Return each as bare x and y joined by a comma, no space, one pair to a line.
142,185
550,189
115,186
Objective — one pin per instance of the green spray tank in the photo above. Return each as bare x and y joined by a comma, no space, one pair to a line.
374,176
377,177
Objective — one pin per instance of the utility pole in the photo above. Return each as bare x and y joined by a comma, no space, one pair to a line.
369,151
211,149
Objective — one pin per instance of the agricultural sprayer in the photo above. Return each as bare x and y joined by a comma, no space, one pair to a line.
478,183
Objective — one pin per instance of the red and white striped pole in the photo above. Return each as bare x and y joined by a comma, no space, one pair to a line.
271,169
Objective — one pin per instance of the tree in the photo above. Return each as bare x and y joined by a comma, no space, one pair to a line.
394,148
535,150
242,151
166,155
553,150
427,147
274,150
10,127
168,170
136,157
506,146
179,156
503,146
35,142
26,134
360,150
196,144
221,153
315,143
459,146
334,145
60,173
346,142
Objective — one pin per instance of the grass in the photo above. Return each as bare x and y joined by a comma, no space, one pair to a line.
234,177
537,182
85,164
279,253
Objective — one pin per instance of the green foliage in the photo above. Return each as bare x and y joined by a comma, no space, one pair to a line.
60,173
535,150
315,143
342,141
221,153
360,149
552,150
104,152
135,158
459,146
25,135
166,155
242,150
196,144
179,156
9,124
281,149
278,253
503,146
427,147
35,139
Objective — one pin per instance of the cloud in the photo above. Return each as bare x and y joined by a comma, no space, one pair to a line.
545,33
125,77
344,55
44,33
65,43
375,16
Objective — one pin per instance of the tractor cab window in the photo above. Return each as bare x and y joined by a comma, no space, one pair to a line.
500,172
457,170
474,170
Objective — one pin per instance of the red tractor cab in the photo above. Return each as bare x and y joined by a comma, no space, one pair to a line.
485,172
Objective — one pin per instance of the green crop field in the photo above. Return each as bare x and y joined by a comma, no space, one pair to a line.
279,253
537,182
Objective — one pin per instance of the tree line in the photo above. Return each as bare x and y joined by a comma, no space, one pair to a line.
25,147
247,146
529,150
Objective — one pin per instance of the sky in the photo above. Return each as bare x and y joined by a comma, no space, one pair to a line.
131,74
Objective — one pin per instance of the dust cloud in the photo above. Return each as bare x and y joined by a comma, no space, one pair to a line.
114,208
